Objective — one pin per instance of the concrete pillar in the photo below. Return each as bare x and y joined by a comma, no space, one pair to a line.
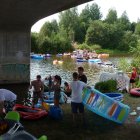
14,55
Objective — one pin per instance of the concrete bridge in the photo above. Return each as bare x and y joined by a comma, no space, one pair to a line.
16,20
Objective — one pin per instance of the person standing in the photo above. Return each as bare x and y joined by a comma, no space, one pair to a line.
133,77
67,89
7,100
57,89
76,98
81,76
38,90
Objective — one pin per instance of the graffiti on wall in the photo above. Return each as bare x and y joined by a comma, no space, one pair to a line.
15,72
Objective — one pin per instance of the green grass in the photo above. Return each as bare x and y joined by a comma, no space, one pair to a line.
114,52
98,128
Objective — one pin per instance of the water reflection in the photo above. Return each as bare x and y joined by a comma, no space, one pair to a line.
65,70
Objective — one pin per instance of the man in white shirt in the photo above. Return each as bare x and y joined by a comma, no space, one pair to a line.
76,97
7,100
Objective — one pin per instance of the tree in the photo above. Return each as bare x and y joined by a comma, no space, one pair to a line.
111,17
96,33
69,20
137,29
128,41
48,28
136,56
34,42
124,21
88,14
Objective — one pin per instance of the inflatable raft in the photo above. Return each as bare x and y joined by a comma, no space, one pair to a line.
94,60
115,96
50,98
105,106
37,56
135,91
81,60
29,112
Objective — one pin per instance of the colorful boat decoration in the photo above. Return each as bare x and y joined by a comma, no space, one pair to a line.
105,106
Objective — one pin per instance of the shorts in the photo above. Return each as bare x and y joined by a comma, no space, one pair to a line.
36,96
8,105
57,96
77,107
132,81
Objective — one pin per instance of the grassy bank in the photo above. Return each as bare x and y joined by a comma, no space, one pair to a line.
114,52
97,128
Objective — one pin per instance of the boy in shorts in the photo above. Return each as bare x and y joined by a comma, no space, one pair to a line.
76,98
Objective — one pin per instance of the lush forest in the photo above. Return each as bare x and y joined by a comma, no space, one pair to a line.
87,30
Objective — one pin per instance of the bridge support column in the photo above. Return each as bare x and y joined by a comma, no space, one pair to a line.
14,56
15,60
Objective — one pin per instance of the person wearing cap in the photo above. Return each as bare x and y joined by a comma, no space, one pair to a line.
38,89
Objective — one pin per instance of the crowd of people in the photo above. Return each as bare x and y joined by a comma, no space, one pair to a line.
72,90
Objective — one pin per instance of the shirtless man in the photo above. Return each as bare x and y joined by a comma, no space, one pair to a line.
38,89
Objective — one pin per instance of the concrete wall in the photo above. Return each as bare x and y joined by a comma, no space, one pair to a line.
14,56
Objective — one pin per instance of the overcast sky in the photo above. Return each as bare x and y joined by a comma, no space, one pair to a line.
132,7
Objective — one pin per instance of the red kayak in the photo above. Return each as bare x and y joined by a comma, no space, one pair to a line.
29,113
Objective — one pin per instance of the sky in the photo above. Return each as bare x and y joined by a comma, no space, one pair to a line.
130,6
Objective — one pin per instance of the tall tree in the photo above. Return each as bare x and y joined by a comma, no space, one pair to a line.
111,17
48,28
137,29
34,42
69,19
88,14
124,21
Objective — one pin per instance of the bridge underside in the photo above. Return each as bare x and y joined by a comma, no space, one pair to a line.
26,12
16,20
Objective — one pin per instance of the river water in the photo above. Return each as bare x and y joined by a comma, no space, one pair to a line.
45,68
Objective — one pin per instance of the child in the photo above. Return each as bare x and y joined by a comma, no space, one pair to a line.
67,89
82,77
76,98
57,89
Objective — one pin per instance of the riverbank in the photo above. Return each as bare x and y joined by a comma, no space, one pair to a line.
97,128
114,53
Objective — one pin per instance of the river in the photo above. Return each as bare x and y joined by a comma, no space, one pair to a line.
45,68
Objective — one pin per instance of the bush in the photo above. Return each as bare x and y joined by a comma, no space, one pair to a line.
106,86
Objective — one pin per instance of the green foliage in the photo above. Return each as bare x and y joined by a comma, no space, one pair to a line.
137,29
124,21
106,86
128,40
88,30
136,56
87,47
111,16
34,42
96,33
124,65
48,28
70,21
